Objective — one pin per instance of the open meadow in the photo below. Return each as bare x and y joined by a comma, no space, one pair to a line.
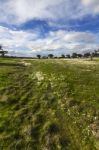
49,104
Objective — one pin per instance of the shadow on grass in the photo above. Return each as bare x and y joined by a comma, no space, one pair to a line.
12,64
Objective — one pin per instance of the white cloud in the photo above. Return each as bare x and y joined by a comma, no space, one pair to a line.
29,43
92,6
53,11
21,11
67,41
17,41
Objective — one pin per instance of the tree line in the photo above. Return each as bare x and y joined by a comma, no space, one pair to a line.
90,55
73,55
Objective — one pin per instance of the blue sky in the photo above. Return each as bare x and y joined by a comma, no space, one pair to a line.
30,27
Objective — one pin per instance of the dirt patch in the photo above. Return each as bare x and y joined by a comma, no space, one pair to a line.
25,63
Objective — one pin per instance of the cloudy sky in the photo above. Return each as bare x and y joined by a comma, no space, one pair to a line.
30,27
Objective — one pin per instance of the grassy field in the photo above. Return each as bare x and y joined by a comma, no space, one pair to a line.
49,104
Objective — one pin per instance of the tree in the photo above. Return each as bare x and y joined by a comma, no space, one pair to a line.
96,53
68,56
62,56
86,55
50,55
2,52
79,55
1,47
74,55
38,56
91,56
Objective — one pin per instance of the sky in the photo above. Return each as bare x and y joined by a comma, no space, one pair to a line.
31,27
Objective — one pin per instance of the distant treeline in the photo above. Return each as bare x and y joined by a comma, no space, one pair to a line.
51,56
73,55
95,53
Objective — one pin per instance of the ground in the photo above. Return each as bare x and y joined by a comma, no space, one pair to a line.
49,104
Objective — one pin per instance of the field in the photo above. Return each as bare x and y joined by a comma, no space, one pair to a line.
49,104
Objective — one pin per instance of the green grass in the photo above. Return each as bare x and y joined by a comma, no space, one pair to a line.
49,104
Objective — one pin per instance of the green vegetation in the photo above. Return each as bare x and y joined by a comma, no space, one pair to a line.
49,104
